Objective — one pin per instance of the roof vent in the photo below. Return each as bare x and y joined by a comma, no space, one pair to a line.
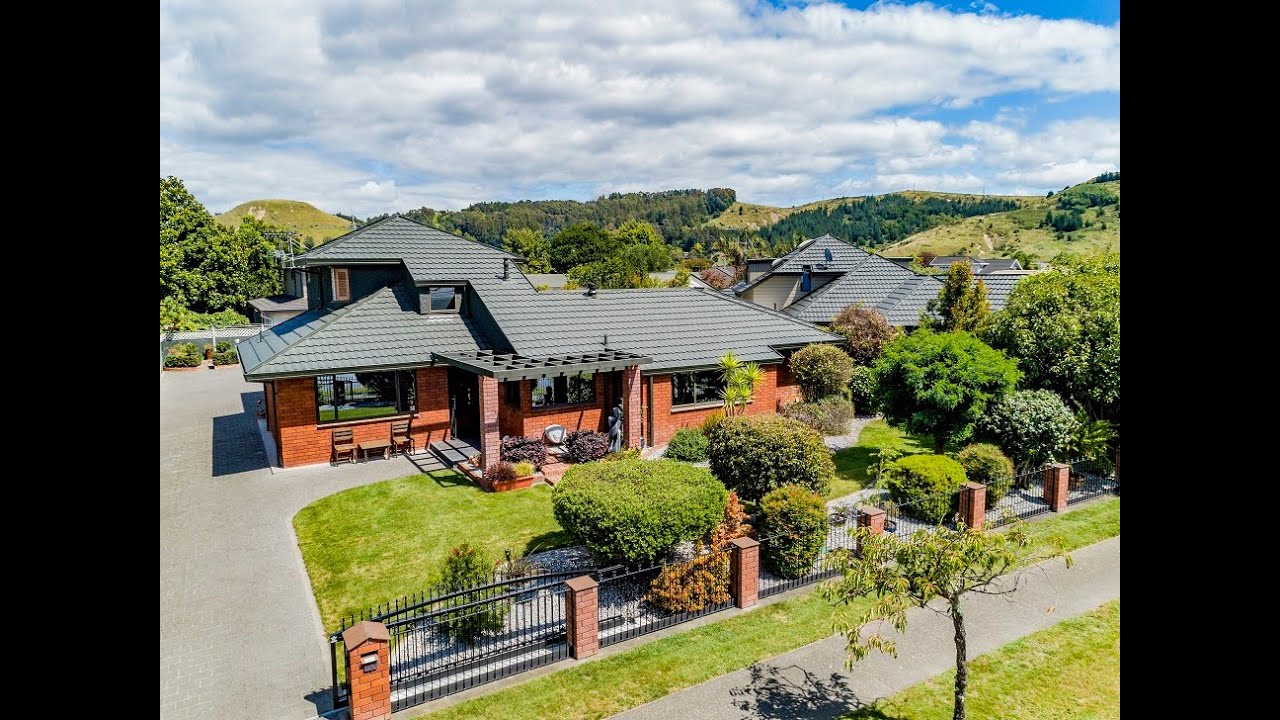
591,290
827,254
506,268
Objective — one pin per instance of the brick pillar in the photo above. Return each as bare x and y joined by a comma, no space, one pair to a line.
631,407
744,571
1057,476
490,439
370,682
581,616
1117,466
870,517
973,504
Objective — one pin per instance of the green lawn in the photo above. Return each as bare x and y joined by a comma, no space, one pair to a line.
609,686
377,542
852,464
1071,670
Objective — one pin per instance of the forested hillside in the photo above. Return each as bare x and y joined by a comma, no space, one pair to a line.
883,219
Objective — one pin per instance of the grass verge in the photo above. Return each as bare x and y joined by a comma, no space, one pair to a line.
619,682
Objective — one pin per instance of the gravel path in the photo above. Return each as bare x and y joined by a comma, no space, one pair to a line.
840,442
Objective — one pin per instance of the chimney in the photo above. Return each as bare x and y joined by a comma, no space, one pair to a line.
591,289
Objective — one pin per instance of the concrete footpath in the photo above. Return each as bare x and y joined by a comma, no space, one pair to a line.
812,682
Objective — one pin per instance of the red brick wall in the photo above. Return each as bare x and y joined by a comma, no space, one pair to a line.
531,421
667,421
303,442
787,389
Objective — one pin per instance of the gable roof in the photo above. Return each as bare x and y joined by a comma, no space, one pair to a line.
428,253
381,331
876,282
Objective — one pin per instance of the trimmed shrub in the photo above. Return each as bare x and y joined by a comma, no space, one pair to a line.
984,463
501,471
692,585
829,416
753,455
524,449
223,346
713,419
637,510
624,454
1031,426
467,566
524,468
820,370
582,446
793,523
183,355
230,357
687,444
862,389
926,486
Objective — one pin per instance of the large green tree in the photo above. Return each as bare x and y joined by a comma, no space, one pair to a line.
579,244
903,573
530,245
939,384
1063,325
204,266
961,303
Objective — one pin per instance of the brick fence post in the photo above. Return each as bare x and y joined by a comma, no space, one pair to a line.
582,616
973,505
1057,476
744,571
369,663
490,439
870,517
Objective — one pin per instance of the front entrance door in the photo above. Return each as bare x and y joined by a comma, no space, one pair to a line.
464,406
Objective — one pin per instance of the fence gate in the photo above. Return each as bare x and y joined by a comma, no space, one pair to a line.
445,643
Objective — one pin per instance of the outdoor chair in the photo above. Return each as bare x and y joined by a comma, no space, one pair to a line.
343,443
402,436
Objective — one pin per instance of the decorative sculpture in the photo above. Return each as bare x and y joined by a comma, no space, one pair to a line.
615,429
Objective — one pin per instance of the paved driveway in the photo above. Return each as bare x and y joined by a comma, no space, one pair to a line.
239,633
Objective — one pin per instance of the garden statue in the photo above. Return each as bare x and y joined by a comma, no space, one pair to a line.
615,429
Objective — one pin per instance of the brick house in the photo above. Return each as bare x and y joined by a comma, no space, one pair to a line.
407,322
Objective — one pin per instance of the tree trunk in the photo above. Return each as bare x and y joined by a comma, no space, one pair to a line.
939,444
962,665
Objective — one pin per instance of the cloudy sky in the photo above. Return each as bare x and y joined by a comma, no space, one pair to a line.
382,105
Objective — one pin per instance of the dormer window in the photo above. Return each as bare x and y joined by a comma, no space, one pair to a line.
341,285
445,298
806,278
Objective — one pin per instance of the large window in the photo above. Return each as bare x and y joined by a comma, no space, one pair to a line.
359,396
696,388
445,298
564,390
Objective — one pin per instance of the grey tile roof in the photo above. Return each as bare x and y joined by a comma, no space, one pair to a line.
278,303
427,252
677,327
995,265
875,282
844,256
555,280
379,331
1000,284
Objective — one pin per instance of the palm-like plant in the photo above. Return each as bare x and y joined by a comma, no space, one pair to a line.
740,381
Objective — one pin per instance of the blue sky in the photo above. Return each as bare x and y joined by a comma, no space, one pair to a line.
376,105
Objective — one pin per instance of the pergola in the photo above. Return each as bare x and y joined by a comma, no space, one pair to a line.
513,366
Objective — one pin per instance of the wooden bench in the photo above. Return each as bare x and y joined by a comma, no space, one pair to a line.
370,445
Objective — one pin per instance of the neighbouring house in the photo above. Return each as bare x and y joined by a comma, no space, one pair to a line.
981,266
825,274
277,308
408,322
558,281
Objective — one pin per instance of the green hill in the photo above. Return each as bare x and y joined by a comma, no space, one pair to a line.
302,218
1024,229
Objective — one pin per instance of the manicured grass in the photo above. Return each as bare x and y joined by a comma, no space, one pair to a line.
377,542
854,465
1071,670
619,682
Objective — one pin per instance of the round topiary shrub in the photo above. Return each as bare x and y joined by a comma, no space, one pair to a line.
862,389
637,510
820,370
925,486
830,416
688,444
984,463
1032,426
582,446
793,529
753,455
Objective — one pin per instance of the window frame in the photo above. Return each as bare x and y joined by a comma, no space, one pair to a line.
406,403
457,295
533,385
346,281
718,386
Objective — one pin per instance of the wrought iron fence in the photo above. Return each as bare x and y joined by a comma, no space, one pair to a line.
443,643
624,611
1023,497
842,524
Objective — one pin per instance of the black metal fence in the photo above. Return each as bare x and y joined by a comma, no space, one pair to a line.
624,612
443,643
841,528
1023,497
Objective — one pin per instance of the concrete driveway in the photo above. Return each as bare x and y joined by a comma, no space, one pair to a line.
239,633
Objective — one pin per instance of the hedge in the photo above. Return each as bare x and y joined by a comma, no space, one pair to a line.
984,463
688,444
753,455
925,486
637,510
793,527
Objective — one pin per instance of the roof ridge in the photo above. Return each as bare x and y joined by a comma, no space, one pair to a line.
345,236
334,316
398,216
776,313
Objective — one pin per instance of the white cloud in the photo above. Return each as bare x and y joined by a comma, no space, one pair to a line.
375,106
